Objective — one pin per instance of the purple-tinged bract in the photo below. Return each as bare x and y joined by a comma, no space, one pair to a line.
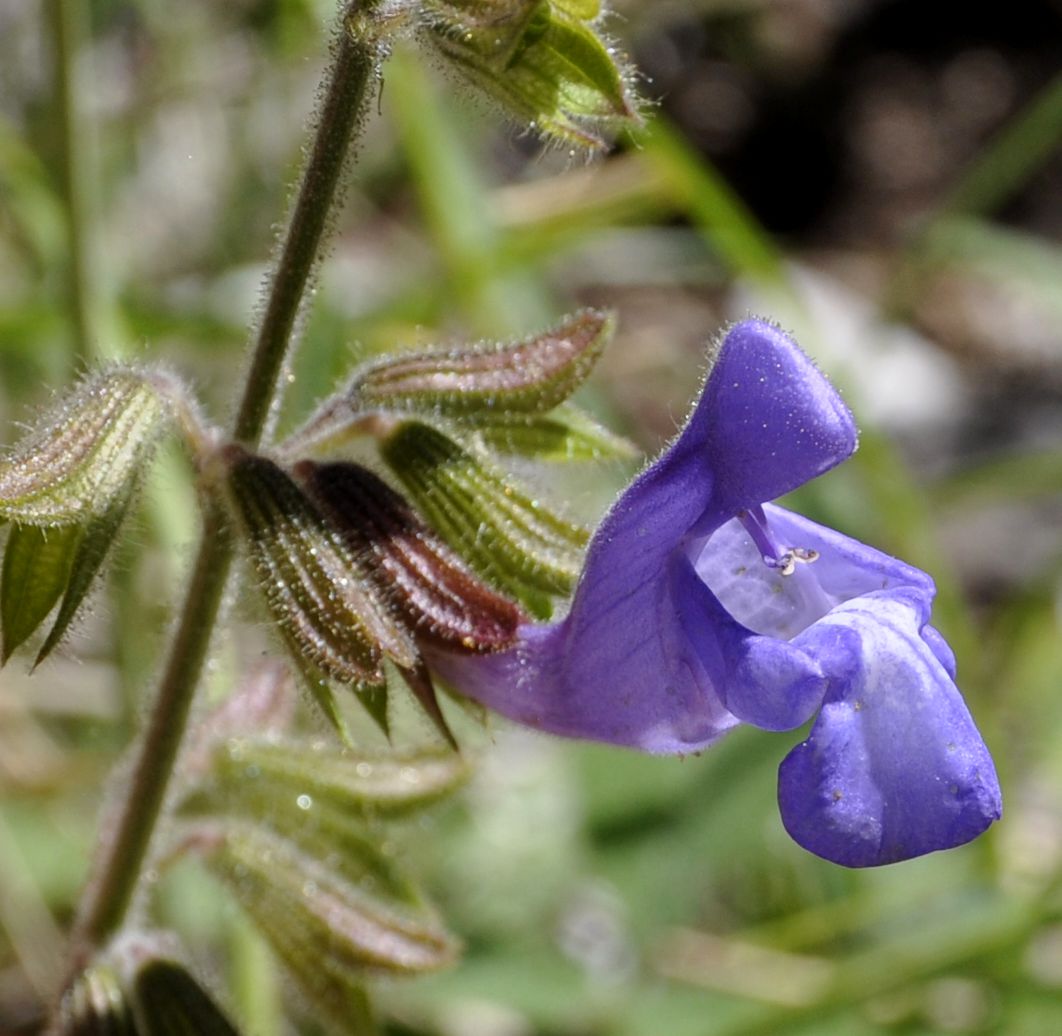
701,606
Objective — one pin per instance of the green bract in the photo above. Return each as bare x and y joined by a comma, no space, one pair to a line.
544,61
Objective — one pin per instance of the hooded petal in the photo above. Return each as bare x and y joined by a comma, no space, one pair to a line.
894,766
637,661
768,417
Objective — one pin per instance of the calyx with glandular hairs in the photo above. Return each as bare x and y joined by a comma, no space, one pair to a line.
544,61
82,457
507,536
528,377
474,386
314,585
408,563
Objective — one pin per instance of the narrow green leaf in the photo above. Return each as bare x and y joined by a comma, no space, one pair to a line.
37,565
565,435
92,549
507,535
168,1001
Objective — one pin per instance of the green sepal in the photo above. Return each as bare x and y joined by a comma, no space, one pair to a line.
322,831
168,1001
92,549
246,775
327,611
37,565
504,533
308,910
584,10
565,435
485,382
84,454
543,62
323,695
374,699
418,680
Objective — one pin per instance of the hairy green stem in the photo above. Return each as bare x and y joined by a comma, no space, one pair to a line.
127,842
356,57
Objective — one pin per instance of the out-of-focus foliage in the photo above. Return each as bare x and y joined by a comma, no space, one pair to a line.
882,188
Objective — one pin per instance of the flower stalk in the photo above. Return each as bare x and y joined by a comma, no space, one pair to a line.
358,52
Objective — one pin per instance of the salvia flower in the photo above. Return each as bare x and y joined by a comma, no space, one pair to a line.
701,606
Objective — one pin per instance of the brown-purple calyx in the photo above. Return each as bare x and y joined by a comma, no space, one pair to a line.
424,580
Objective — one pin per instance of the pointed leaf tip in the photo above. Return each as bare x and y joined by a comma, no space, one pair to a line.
36,570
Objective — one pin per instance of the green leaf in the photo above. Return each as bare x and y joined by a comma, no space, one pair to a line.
565,435
37,564
505,533
168,1001
93,547
84,455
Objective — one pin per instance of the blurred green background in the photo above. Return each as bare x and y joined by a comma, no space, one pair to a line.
887,188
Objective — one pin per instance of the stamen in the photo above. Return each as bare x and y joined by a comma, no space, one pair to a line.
794,556
755,523
784,559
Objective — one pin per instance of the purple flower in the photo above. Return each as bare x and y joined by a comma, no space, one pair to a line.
701,606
